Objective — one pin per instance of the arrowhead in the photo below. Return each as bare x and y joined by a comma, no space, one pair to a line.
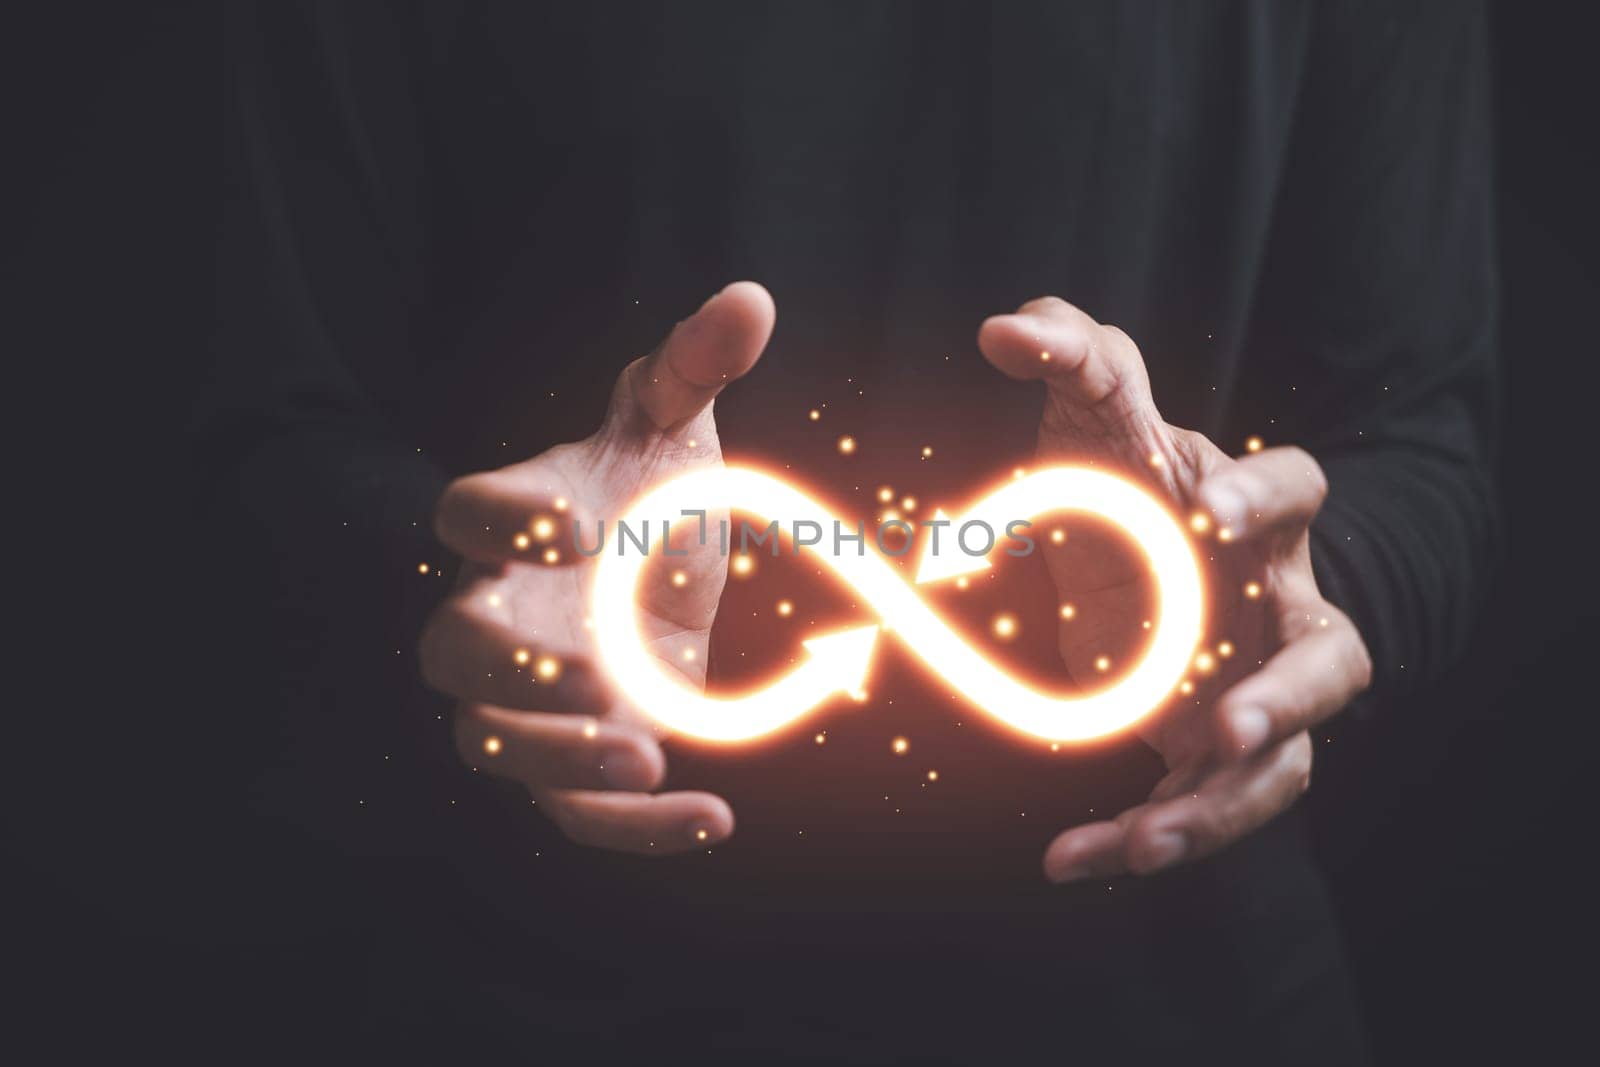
843,658
949,561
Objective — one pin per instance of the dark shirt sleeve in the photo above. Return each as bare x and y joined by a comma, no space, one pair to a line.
312,491
1376,338
321,288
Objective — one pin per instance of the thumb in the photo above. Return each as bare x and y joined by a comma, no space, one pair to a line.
703,353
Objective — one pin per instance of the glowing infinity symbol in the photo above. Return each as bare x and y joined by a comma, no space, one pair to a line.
838,662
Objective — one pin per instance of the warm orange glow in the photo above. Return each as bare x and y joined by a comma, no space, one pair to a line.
522,657
491,745
814,414
847,445
1252,589
1252,444
785,608
1199,523
543,528
927,451
1004,626
839,662
1058,536
933,776
679,579
742,565
885,494
422,568
548,668
900,745
1225,649
1102,663
552,555
1069,611
522,541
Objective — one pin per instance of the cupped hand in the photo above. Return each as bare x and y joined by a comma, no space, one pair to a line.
511,643
1236,746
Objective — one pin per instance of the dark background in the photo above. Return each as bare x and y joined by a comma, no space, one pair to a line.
1453,831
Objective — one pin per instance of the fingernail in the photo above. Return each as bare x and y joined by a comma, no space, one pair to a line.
626,768
1070,872
1164,849
1228,508
1249,727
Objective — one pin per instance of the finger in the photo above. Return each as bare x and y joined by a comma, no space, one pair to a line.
702,354
1222,807
1317,673
1049,339
656,824
518,513
1093,850
1227,806
1264,491
557,751
471,657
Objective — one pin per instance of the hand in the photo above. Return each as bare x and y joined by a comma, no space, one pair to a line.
511,642
1237,749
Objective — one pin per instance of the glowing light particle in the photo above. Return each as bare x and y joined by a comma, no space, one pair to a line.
422,568
591,729
838,663
1044,357
1199,523
785,608
821,739
1186,687
963,582
1058,536
494,600
1205,663
743,566
543,528
561,503
1252,444
1225,649
701,834
522,541
908,504
492,745
548,668
1069,611
900,746
552,556
522,656
689,655
847,445
927,451
933,776
679,579
814,415
885,494
1102,663
1004,626
1252,590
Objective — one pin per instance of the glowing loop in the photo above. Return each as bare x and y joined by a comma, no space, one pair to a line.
838,662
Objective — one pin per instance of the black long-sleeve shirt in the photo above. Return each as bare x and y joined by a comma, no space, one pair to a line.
447,229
